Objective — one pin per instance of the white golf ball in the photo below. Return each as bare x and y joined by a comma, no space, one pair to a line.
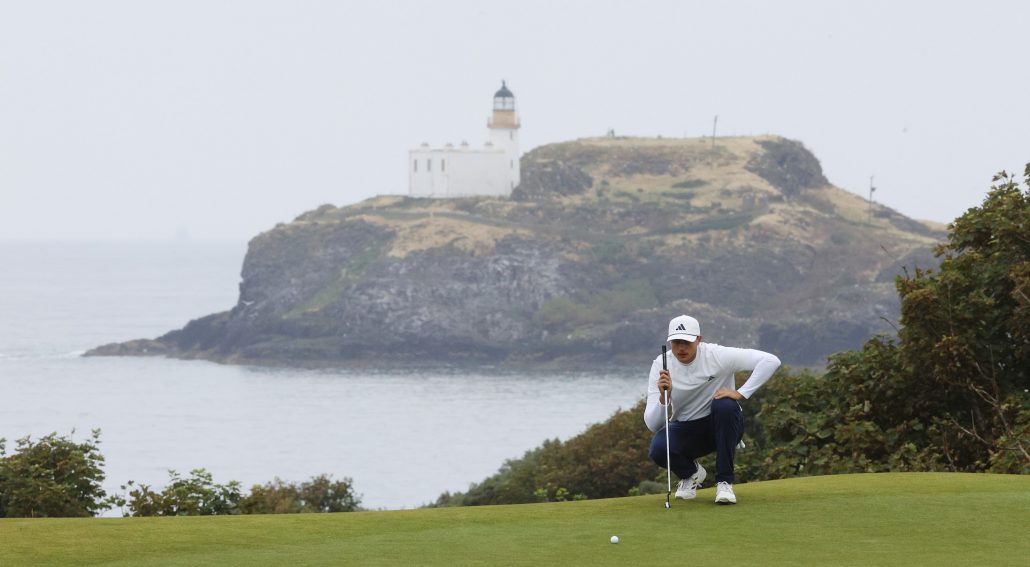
615,539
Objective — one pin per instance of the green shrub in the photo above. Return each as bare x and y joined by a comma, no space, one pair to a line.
196,495
52,477
320,494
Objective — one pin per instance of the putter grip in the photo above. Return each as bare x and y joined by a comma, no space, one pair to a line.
665,362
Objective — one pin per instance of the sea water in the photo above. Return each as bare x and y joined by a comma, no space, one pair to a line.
403,437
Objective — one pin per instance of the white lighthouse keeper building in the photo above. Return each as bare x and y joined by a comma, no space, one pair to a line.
464,171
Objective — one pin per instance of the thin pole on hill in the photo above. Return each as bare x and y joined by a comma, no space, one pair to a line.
871,190
715,123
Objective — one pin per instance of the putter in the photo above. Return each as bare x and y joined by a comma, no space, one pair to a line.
668,463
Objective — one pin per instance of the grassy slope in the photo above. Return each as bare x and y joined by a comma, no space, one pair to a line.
430,223
883,519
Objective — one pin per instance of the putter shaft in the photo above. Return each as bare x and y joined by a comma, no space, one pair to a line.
668,459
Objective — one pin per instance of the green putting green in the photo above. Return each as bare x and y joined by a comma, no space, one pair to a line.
904,519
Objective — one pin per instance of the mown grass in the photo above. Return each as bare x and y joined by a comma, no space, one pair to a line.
875,519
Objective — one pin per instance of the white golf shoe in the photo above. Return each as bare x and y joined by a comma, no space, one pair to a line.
724,493
687,489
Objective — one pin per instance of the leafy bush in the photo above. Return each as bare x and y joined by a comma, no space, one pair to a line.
197,495
856,417
966,332
57,477
320,494
52,477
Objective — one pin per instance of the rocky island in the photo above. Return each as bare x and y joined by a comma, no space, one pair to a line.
602,242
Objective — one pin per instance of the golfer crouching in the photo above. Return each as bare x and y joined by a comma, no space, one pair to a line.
706,417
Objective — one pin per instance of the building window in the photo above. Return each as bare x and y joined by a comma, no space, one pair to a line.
416,165
512,164
443,164
511,135
429,165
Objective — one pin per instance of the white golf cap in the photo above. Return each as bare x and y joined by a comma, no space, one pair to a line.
684,328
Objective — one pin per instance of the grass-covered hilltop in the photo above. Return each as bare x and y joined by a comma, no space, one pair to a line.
602,242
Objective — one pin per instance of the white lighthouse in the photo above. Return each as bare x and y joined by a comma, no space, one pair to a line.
491,170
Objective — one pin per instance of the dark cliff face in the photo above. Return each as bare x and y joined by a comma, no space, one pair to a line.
323,293
444,301
604,242
787,166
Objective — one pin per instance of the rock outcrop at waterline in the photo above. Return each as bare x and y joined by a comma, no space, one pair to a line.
603,242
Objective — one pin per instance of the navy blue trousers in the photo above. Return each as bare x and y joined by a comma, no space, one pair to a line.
717,433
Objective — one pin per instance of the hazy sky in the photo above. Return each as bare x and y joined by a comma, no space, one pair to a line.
218,119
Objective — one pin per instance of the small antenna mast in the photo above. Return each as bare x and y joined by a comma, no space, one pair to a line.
872,189
715,124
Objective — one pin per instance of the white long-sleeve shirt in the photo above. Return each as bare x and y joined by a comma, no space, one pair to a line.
694,384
